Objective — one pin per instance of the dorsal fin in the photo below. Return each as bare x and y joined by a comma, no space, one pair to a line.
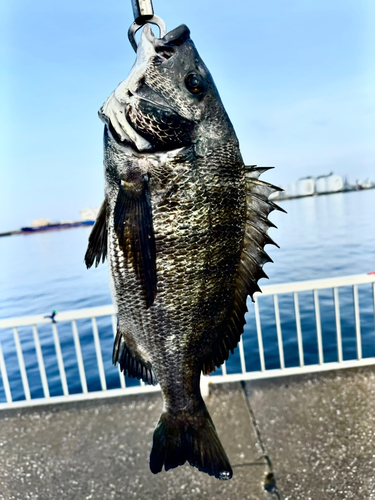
97,247
253,258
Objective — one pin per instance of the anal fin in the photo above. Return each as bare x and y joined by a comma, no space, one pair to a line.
131,365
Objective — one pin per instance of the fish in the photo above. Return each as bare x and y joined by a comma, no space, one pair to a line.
184,225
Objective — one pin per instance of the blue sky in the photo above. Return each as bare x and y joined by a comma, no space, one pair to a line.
296,77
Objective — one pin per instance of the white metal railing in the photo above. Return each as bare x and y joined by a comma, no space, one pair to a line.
294,289
243,374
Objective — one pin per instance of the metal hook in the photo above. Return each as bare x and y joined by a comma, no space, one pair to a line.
140,23
144,14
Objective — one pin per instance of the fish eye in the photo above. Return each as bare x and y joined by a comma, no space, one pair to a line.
194,83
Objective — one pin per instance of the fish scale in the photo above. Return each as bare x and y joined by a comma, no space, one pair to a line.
184,224
192,316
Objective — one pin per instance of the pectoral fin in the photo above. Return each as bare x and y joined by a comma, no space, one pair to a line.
97,247
135,232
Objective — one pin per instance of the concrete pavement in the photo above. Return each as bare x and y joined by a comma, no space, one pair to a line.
100,451
317,430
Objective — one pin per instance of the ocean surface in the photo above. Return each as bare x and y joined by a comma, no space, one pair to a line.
319,237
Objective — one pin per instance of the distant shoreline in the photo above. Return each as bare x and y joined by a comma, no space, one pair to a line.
61,226
347,190
48,228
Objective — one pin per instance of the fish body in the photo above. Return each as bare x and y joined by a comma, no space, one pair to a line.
184,224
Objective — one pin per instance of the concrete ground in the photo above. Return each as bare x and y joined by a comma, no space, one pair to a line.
95,450
317,431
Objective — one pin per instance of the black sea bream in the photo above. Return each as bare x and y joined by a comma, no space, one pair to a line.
184,224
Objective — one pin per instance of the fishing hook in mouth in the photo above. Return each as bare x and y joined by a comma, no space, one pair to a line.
144,14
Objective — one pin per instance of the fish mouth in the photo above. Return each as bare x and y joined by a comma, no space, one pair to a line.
136,114
166,47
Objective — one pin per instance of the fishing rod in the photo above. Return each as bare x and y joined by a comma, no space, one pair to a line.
144,14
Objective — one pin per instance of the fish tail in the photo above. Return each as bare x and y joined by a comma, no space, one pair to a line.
189,437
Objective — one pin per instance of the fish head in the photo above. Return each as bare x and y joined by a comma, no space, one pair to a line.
169,100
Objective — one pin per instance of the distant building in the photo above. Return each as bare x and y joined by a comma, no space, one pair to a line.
335,183
89,214
40,222
329,183
321,184
306,186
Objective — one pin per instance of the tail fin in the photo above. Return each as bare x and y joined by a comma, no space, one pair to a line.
193,438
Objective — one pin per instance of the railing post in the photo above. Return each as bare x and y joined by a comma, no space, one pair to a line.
42,369
338,324
21,363
318,327
4,376
242,356
357,322
259,334
299,330
99,356
81,368
60,360
278,330
204,385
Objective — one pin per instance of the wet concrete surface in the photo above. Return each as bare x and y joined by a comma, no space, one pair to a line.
100,450
319,431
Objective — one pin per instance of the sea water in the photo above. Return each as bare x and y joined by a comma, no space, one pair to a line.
319,237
